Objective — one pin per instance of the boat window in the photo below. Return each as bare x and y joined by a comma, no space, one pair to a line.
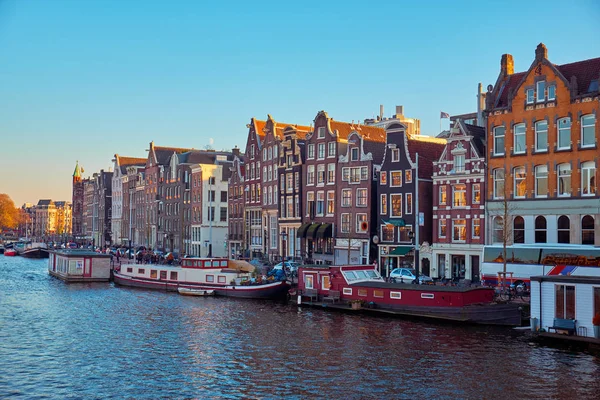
362,292
350,276
427,295
348,291
141,271
395,295
361,274
173,275
194,263
378,293
308,281
325,282
153,273
372,274
224,263
210,278
221,279
129,269
163,274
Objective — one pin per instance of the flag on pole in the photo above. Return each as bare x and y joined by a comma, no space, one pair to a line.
444,115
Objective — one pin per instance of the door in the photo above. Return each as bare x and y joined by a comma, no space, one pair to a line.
425,267
87,271
475,269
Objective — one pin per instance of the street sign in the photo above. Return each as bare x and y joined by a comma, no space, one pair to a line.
421,219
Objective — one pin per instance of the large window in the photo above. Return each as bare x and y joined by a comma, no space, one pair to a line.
345,223
330,203
564,302
588,137
587,230
520,182
498,183
310,204
361,223
396,178
588,178
541,136
541,235
310,175
320,174
387,233
530,96
361,197
564,229
498,233
331,149
520,145
321,151
311,151
564,179
346,197
442,195
443,228
330,173
320,203
459,163
540,89
396,200
551,92
519,230
541,181
459,195
383,204
476,228
476,193
459,230
499,133
564,134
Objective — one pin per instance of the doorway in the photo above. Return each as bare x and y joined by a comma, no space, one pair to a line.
458,267
425,266
475,269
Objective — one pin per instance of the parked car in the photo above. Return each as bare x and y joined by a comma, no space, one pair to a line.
407,275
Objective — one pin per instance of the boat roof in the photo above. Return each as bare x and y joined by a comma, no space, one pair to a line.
78,253
408,286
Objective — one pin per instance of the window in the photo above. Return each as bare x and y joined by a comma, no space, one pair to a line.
408,176
396,200
346,197
498,233
211,195
396,178
173,276
310,203
442,195
459,163
395,155
364,173
211,213
270,153
275,151
270,173
354,154
308,281
541,136
541,181
459,195
361,197
520,145
530,96
476,193
540,87
321,153
564,133
320,174
459,230
476,228
564,229
588,137
498,183
346,174
383,178
361,223
383,204
551,92
320,203
321,132
331,149
519,230
264,154
286,183
520,182
354,175
223,196
443,228
564,179
289,161
311,151
330,173
564,301
387,233
409,203
540,229
588,178
223,216
499,140
330,203
587,230
289,203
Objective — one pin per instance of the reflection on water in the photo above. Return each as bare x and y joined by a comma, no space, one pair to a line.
101,341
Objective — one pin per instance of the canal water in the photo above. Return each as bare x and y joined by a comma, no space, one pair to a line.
101,341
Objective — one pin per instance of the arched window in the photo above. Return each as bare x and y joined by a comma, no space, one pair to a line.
520,185
519,230
498,233
587,230
564,229
563,174
540,229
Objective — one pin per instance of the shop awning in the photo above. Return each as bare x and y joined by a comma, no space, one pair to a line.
325,231
301,232
312,229
396,222
401,250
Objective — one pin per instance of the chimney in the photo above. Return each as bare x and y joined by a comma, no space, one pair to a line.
541,52
380,112
400,111
480,104
236,151
507,65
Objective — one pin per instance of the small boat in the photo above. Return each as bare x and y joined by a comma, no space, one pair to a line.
10,252
195,292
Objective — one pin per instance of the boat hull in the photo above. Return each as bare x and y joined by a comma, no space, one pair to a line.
195,292
36,253
10,253
275,290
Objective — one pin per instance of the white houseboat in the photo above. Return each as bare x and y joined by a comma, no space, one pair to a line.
79,265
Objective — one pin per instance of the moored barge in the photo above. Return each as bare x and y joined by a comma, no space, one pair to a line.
79,265
362,287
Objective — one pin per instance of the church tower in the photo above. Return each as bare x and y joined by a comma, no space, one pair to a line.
77,202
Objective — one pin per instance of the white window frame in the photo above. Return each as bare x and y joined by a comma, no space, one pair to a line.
459,240
310,175
530,99
539,171
519,131
331,149
361,217
395,155
499,133
552,88
345,219
519,176
539,131
588,172
459,163
321,132
408,176
443,193
408,207
383,210
349,197
330,200
476,189
540,88
391,207
366,197
392,179
321,151
473,224
354,154
563,130
443,223
311,152
457,189
496,179
591,127
563,171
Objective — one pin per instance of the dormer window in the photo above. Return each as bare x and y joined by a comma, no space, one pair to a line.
530,96
541,90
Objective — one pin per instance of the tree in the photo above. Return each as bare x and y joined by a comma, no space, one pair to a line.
9,214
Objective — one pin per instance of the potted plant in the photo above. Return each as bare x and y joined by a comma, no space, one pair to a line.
596,323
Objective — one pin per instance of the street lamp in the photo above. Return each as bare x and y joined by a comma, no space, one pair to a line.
283,238
411,236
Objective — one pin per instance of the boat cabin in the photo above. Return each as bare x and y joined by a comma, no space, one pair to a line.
79,265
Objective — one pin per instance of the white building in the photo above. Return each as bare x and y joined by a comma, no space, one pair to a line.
119,230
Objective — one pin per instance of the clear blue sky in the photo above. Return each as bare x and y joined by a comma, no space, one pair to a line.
83,80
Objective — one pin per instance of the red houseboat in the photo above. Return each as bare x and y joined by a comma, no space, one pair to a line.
361,286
